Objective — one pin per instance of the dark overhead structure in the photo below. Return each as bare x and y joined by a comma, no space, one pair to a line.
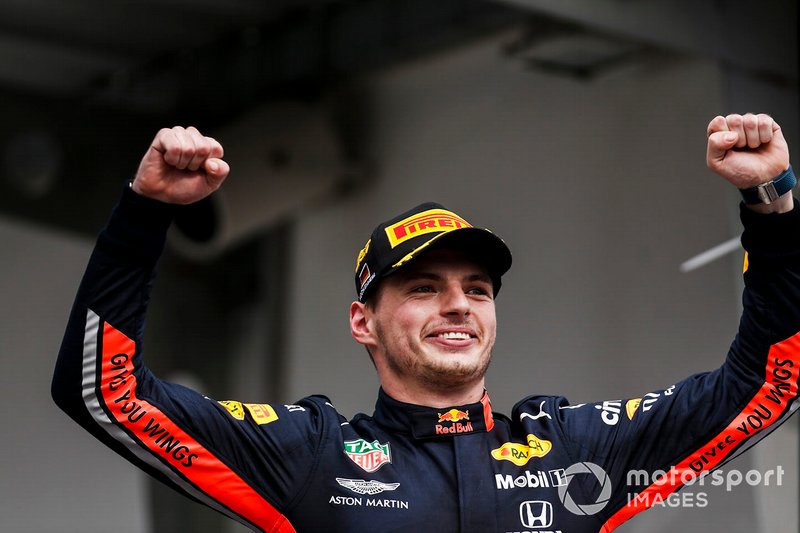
85,83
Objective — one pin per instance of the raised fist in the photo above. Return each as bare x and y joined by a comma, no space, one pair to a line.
181,167
747,150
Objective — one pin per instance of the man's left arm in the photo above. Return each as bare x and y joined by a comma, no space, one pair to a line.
704,421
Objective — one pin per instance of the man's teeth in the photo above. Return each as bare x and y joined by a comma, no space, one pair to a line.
454,335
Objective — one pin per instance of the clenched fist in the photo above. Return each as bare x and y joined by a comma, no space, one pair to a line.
181,167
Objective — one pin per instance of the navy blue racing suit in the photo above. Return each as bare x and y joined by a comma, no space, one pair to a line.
550,466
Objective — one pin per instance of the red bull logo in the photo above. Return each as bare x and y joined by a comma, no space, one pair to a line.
458,427
454,416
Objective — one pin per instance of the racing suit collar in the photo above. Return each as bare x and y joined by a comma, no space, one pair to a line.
429,422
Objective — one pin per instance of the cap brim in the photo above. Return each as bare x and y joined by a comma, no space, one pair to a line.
481,244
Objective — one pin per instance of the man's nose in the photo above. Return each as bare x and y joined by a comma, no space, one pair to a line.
455,302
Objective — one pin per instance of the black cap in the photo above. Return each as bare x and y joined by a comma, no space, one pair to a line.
398,241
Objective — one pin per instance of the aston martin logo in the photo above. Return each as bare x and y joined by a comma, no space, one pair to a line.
366,487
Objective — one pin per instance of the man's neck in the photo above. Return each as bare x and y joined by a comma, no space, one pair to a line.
445,397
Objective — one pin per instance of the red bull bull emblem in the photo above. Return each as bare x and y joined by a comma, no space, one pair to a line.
370,456
454,417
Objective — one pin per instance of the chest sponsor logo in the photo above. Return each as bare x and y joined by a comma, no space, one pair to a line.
361,486
609,411
370,456
631,406
537,416
360,501
536,515
235,408
531,480
262,413
453,415
520,454
433,220
453,418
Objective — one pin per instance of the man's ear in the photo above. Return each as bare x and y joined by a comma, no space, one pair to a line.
360,326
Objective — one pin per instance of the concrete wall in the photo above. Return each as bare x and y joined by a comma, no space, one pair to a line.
55,477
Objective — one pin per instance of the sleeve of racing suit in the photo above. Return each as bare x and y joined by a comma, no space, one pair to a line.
243,460
700,423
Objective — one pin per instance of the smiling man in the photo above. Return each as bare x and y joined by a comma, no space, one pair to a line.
433,457
429,325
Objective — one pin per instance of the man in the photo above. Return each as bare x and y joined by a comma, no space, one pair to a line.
433,457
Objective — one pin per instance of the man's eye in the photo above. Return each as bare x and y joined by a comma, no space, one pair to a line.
422,288
479,291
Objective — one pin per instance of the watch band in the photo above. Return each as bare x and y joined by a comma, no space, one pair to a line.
766,193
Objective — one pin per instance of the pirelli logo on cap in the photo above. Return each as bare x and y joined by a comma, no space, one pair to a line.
431,221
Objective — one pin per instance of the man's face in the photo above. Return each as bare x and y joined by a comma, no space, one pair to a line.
434,322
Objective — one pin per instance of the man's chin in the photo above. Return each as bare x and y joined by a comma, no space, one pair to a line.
455,370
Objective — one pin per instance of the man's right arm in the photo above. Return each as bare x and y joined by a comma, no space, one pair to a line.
227,455
116,284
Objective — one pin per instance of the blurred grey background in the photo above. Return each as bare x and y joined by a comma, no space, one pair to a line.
575,129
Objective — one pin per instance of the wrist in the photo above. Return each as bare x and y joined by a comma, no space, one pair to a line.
783,204
136,187
771,192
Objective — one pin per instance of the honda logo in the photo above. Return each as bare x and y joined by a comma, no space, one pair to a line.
536,514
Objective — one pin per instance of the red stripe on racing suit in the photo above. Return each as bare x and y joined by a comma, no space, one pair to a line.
768,407
191,466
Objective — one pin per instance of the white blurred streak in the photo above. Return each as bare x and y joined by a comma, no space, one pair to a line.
712,254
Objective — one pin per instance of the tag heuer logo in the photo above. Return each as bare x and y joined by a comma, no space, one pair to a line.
370,456
362,486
